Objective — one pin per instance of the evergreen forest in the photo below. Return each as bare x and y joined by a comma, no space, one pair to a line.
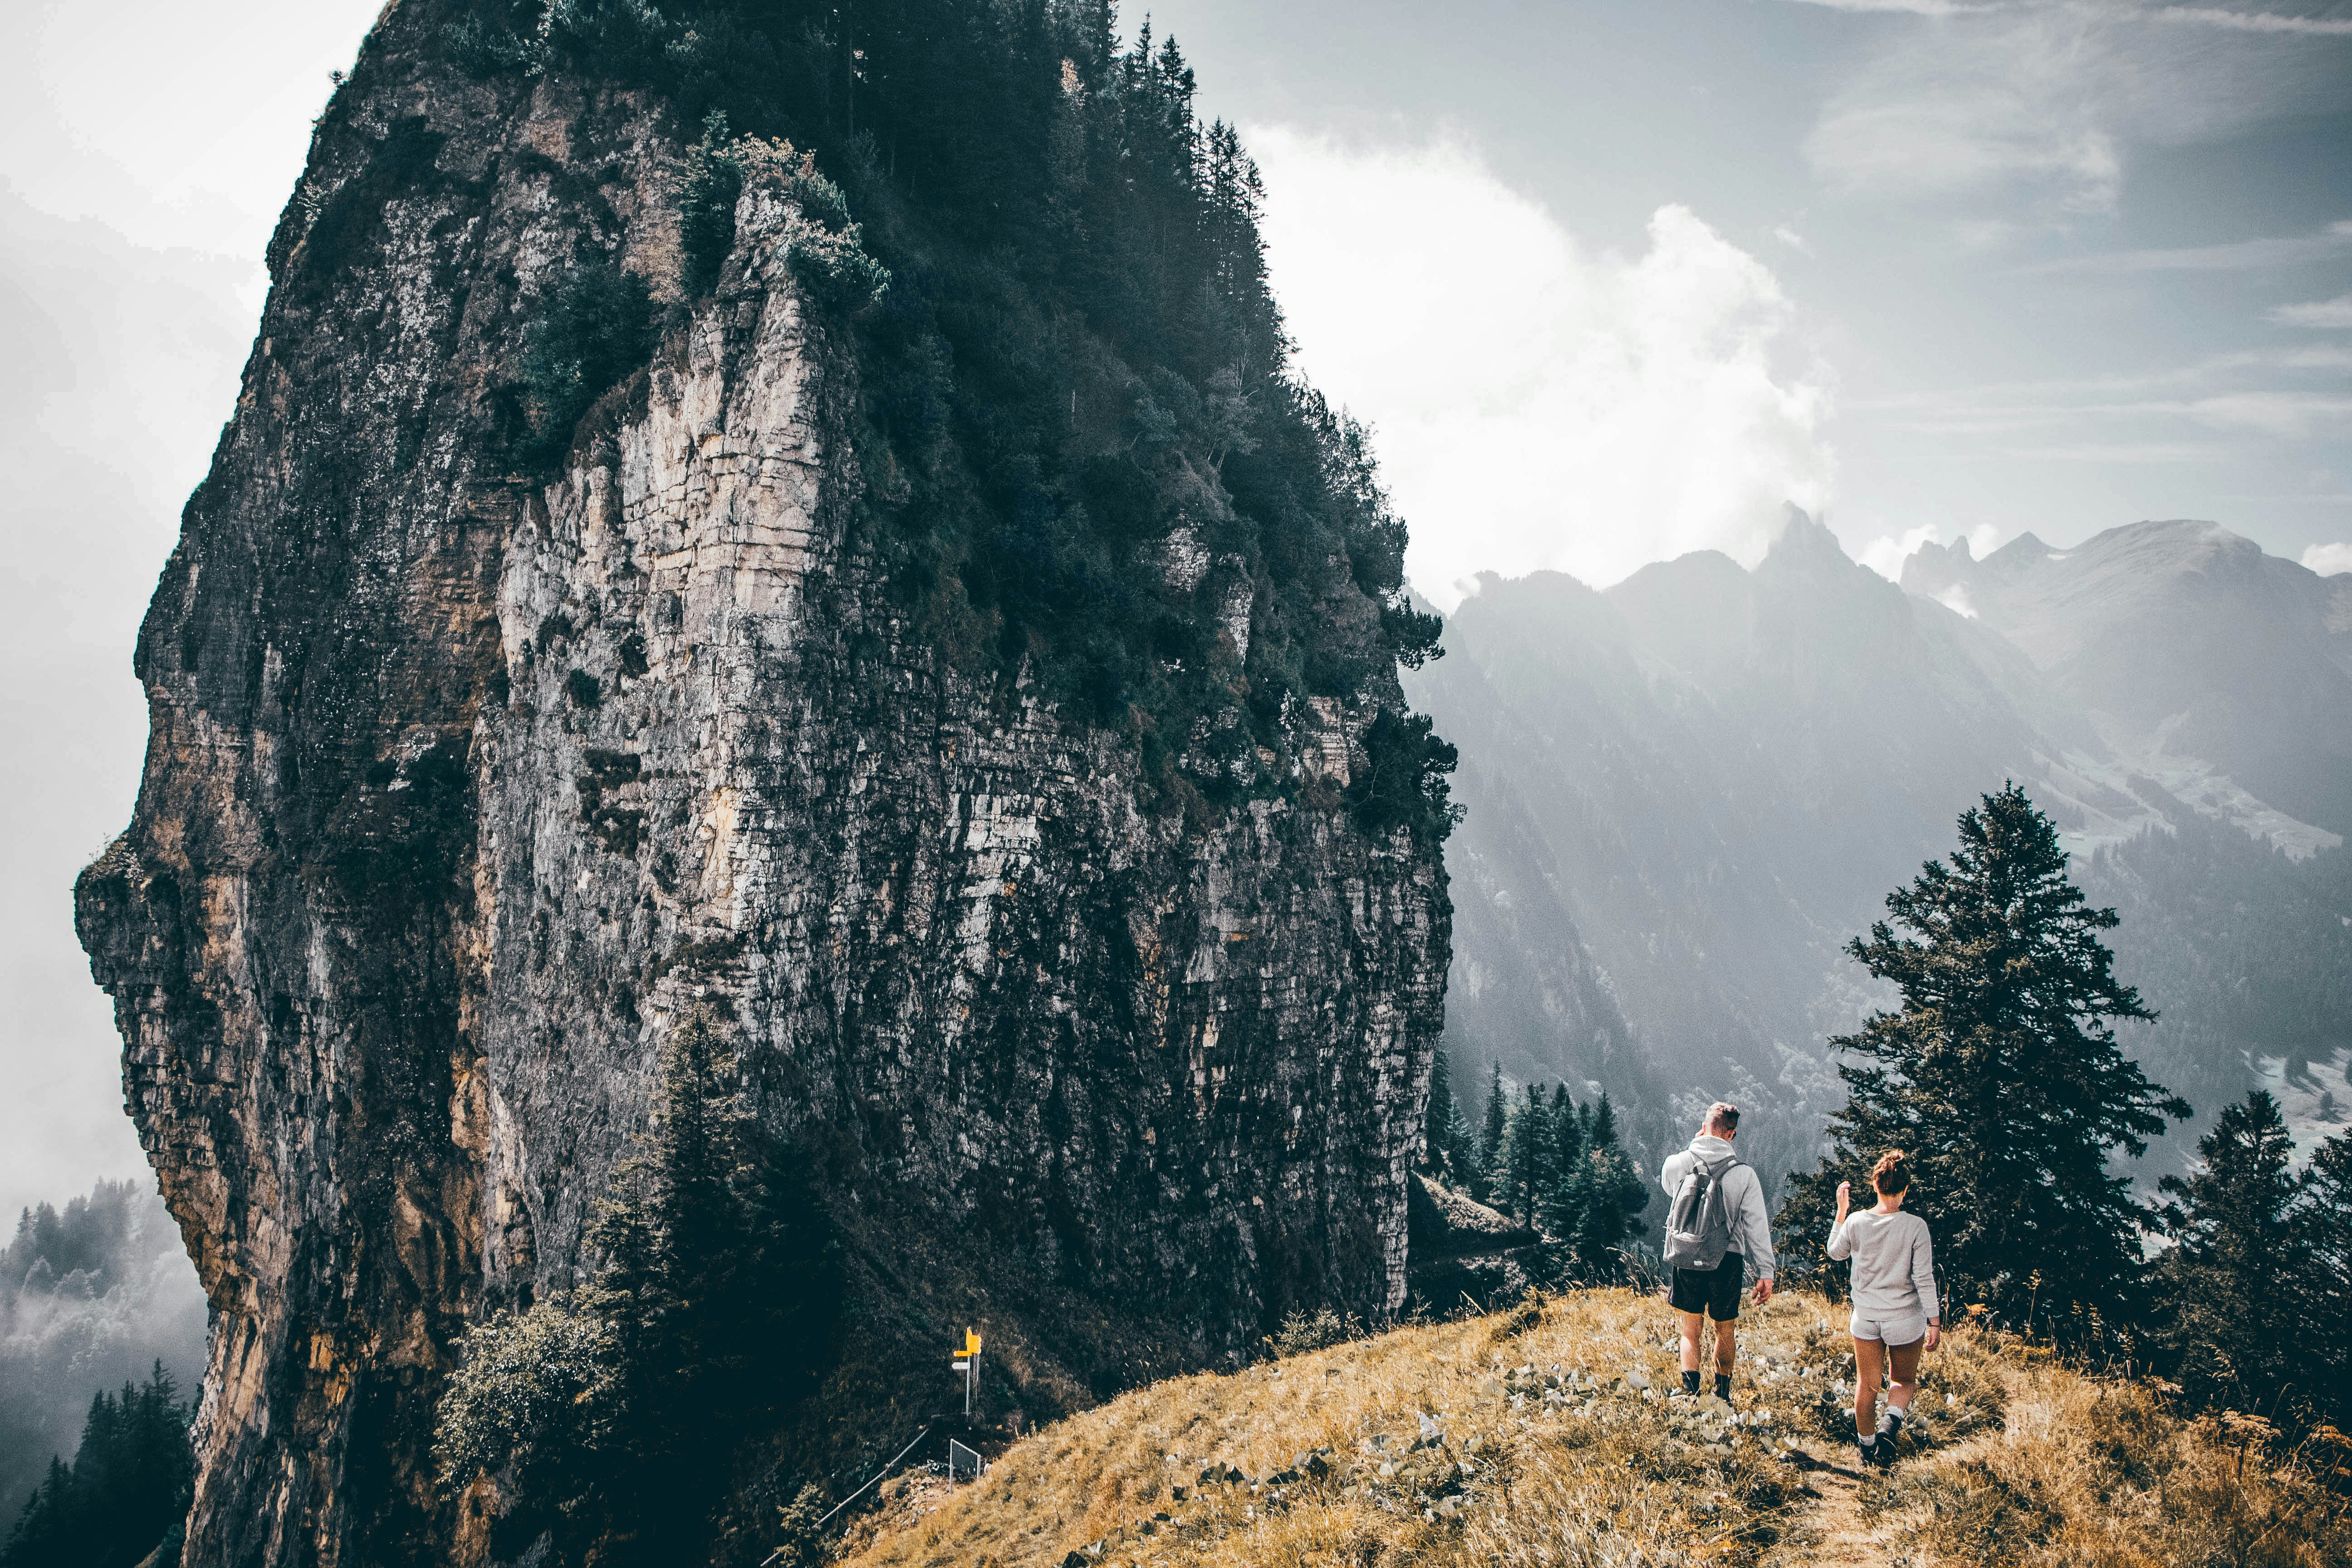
1542,1159
126,1493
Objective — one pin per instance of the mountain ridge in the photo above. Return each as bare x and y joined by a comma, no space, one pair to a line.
1731,766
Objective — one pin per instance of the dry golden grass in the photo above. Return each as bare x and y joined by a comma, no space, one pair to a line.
1554,1453
2098,1475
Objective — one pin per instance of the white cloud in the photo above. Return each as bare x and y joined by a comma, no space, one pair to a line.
1976,107
2290,416
2256,21
2243,256
1536,405
2329,560
2031,110
1792,239
1915,7
2327,313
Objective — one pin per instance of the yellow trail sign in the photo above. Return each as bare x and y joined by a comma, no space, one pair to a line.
971,1344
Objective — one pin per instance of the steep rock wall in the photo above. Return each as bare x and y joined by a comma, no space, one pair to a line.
460,787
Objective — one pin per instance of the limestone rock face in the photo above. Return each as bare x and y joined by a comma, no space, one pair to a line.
462,787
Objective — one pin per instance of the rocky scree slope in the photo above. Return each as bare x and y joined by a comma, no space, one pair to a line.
464,785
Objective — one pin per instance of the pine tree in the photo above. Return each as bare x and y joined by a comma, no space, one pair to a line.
2000,1076
1609,1194
2322,1218
126,1492
1437,1122
1561,1210
2236,1285
1490,1137
717,1286
1449,1149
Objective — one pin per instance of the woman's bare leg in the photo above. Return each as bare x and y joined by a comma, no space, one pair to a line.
1902,1379
1865,1388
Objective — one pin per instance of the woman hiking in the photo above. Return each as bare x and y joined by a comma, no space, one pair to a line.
1894,1308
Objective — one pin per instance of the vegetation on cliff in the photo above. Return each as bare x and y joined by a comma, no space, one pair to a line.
1088,455
617,1412
1546,1434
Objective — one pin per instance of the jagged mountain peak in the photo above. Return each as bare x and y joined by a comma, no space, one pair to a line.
1805,544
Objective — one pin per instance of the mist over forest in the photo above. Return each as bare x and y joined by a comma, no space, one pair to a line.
93,1292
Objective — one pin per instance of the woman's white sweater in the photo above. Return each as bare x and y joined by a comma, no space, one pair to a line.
1894,1264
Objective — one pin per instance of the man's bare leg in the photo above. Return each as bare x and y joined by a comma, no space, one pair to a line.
1726,1338
1691,1321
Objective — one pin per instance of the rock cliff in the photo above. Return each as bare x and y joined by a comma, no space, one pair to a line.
464,782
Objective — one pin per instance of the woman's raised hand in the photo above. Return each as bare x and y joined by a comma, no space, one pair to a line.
1845,1199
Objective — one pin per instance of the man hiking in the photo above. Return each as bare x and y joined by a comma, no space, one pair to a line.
1717,1232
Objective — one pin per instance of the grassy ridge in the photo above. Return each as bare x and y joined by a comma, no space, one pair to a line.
1544,1435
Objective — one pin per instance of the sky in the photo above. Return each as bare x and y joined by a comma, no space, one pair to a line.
1610,281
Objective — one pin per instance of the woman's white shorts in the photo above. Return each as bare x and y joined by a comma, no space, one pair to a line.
1895,1332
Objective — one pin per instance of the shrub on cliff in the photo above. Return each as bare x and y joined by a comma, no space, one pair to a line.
617,1410
824,250
593,327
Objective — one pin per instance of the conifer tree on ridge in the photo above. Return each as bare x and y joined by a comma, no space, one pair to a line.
1999,1073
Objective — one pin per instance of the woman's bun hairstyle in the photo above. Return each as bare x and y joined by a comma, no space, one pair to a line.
1892,1172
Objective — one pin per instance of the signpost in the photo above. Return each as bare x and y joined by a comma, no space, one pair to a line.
967,1361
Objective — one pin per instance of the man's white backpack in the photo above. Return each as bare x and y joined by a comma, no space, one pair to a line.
1698,1223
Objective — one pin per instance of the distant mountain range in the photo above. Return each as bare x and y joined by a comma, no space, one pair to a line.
1686,792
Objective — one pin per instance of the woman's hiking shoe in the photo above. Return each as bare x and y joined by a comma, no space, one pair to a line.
1866,1450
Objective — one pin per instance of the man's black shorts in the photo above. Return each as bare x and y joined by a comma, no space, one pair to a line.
1714,1292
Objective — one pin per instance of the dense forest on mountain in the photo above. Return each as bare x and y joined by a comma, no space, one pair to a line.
1087,456
90,1294
126,1491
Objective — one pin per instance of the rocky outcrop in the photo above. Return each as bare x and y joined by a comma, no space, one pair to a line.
1464,1251
463,786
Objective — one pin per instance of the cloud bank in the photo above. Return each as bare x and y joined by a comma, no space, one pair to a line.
1537,404
2031,109
2329,560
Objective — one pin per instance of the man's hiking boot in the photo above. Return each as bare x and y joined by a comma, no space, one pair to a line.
1723,1386
1690,1384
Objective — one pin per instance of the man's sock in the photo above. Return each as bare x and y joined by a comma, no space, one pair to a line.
1690,1381
1723,1386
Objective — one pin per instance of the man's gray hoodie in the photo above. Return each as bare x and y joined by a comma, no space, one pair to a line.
1743,1200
